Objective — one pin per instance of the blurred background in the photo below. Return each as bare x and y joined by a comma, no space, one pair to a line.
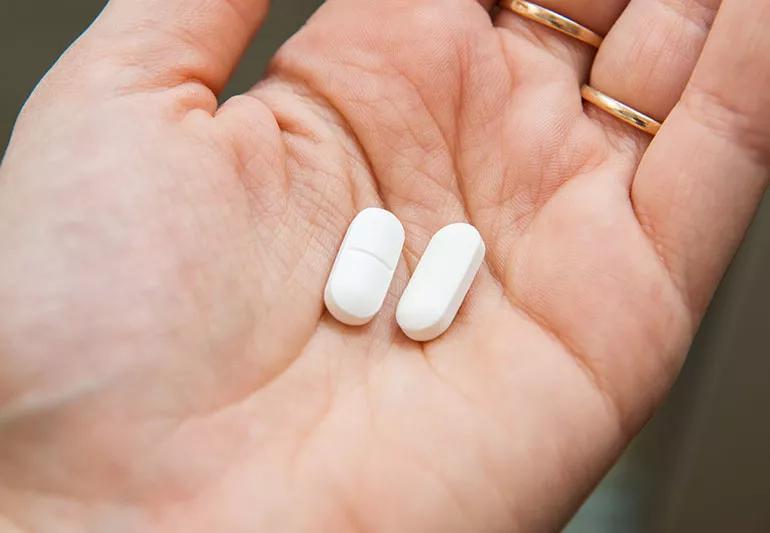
701,465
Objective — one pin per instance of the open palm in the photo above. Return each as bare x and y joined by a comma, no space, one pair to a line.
166,363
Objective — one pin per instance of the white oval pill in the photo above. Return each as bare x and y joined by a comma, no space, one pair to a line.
364,267
440,282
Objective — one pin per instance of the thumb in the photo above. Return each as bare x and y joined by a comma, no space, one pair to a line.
163,43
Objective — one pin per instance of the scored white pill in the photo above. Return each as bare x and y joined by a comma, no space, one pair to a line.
440,282
364,267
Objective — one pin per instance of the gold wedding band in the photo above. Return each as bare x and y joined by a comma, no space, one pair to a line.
552,20
620,110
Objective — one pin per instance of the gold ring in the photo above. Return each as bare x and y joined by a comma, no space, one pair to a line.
620,110
552,20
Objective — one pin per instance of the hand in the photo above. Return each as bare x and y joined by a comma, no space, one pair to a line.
167,364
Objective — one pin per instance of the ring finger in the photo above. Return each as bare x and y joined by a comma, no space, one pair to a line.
650,52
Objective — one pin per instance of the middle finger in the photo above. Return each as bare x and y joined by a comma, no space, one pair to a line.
598,17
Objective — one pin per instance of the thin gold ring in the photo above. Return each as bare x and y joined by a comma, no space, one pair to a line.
620,110
553,20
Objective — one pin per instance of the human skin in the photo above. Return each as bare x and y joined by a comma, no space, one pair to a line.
166,364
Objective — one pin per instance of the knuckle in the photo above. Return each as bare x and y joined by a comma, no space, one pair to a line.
731,119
